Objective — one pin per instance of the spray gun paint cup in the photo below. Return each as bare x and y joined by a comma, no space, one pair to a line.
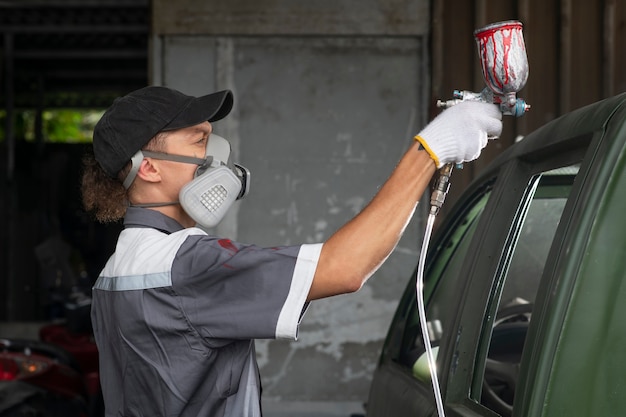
502,54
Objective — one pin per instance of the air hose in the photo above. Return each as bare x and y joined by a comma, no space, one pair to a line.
437,198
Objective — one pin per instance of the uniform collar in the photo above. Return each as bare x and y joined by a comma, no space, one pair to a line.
143,217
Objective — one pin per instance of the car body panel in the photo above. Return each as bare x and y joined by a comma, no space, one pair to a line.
573,362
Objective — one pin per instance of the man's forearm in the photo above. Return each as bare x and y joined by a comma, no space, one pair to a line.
353,253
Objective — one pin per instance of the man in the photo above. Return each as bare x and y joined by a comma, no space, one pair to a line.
175,310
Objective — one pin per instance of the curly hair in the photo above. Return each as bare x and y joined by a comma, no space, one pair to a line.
104,197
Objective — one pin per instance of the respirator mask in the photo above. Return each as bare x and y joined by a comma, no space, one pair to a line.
216,185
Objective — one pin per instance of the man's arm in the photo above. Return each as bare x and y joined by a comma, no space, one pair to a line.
351,255
355,251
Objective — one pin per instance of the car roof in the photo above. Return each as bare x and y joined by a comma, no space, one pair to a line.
588,119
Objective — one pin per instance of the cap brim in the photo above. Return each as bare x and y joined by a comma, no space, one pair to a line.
211,108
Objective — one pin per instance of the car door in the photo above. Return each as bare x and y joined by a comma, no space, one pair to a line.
398,387
490,261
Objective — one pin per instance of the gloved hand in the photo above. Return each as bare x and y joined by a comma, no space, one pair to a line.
459,133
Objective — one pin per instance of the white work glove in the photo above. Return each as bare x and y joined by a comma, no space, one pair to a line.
459,133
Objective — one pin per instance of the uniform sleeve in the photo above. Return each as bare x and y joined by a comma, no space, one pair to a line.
234,291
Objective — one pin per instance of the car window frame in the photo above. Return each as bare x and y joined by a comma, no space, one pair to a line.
546,185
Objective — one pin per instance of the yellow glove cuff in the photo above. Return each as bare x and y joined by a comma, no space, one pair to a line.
428,149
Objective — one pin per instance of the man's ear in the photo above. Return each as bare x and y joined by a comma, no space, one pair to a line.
149,170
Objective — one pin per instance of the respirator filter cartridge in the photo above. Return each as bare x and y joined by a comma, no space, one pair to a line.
209,196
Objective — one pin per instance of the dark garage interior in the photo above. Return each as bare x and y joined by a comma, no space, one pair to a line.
57,55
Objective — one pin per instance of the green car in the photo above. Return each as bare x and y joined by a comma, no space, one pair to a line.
525,285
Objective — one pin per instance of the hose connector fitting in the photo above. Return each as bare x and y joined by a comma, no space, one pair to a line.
442,185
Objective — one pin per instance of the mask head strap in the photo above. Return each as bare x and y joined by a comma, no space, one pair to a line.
203,163
135,163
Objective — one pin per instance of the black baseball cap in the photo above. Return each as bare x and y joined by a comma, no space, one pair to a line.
134,119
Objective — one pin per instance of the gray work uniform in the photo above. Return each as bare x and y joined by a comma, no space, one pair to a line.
175,312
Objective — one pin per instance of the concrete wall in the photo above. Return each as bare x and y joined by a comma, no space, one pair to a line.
327,98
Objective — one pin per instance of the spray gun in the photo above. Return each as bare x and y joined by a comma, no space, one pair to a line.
502,54
504,64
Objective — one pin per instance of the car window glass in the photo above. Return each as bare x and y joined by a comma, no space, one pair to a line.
442,279
519,285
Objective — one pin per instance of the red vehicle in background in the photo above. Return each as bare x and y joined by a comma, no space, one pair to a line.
56,376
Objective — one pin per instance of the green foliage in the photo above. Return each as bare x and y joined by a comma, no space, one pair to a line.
58,126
